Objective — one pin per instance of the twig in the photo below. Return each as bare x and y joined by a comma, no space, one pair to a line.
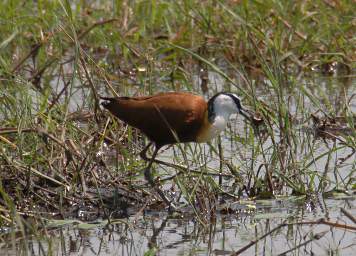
349,215
286,23
28,55
197,172
38,173
107,216
50,35
95,94
35,130
317,222
8,142
91,27
314,237
140,211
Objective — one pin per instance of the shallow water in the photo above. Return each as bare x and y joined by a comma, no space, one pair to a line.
222,234
167,235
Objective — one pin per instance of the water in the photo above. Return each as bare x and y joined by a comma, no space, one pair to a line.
207,233
167,235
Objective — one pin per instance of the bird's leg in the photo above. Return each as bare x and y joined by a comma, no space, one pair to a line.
149,178
143,155
148,174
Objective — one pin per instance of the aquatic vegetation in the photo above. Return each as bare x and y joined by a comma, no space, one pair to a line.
62,158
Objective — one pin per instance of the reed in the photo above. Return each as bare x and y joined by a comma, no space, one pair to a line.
60,154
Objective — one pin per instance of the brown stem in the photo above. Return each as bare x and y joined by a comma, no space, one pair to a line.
317,222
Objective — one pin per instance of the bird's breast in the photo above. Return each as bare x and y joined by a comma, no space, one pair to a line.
208,131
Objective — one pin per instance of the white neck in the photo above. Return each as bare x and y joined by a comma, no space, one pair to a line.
220,109
215,128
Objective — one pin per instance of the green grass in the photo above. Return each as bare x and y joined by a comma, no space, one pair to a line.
58,56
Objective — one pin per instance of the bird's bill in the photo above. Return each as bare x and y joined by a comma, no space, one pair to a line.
246,114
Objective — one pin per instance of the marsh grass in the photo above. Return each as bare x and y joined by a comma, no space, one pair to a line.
61,155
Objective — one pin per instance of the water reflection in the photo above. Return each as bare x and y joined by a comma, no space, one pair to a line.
220,232
163,234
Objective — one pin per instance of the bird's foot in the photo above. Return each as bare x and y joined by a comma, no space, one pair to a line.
169,203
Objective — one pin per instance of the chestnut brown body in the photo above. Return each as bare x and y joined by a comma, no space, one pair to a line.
173,117
165,118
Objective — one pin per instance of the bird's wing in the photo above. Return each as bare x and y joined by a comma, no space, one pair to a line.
158,116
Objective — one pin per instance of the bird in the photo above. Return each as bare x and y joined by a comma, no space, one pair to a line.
175,117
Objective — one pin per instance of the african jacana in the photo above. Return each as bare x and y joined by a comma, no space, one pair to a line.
175,117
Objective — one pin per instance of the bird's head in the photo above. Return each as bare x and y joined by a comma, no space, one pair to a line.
226,104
